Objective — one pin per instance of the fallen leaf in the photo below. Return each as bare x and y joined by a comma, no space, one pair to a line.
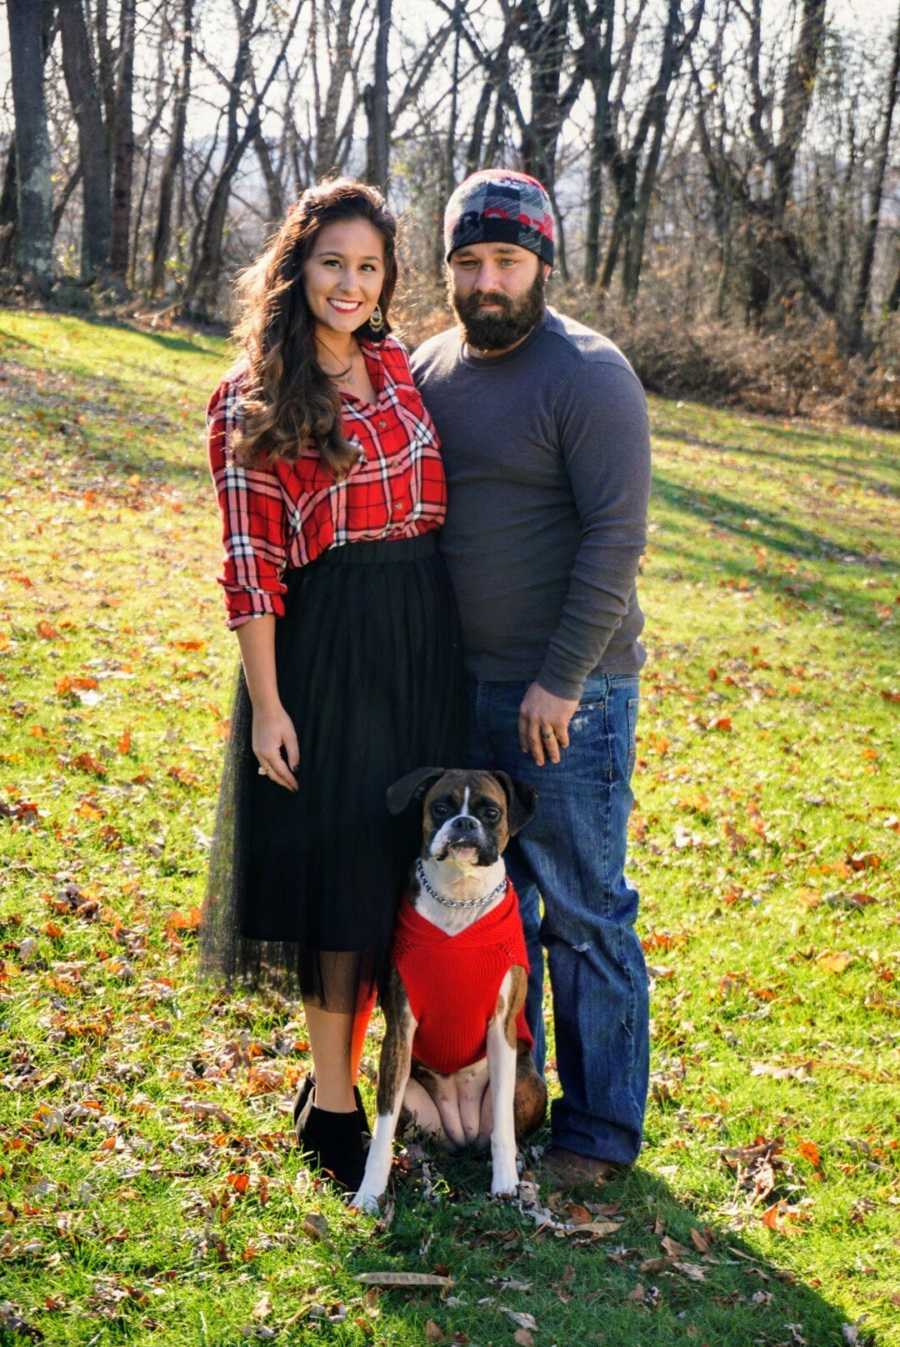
800,1072
595,1228
180,921
391,1278
315,1225
692,1270
86,763
523,1337
835,961
434,1332
672,1247
638,1294
810,1151
520,1317
770,1216
865,860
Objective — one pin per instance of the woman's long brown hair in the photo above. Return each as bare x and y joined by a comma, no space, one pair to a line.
288,401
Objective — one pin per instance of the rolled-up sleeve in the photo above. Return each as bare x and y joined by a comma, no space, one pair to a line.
253,518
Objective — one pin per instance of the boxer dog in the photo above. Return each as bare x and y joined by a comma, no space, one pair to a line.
457,1050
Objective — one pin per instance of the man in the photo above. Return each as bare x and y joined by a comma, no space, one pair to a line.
545,439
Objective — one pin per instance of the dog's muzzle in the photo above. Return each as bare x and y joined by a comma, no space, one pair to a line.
464,838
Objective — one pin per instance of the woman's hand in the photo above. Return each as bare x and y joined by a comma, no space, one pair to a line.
273,739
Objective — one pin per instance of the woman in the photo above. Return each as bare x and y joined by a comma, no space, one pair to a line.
330,485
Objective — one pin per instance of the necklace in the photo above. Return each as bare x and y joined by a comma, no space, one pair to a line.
457,902
336,374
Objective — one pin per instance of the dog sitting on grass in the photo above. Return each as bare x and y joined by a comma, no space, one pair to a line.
456,1053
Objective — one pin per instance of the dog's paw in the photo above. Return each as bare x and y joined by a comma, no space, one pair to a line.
504,1186
365,1201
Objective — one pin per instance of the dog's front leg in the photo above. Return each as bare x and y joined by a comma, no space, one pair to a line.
501,1055
393,1074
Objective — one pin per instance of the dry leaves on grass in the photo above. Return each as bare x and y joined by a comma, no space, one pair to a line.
391,1277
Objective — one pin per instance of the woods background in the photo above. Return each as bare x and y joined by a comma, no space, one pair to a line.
724,173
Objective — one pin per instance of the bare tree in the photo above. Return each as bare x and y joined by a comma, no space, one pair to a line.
634,166
339,46
762,182
122,144
864,280
32,145
375,101
83,87
201,289
595,27
9,210
175,152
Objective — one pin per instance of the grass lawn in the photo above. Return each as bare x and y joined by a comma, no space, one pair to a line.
149,1190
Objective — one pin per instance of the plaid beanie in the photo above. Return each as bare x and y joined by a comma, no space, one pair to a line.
497,205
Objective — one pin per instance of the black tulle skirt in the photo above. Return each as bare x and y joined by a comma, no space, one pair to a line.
303,887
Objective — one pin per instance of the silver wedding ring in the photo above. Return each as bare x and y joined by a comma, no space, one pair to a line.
548,734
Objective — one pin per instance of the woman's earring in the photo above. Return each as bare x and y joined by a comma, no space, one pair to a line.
376,319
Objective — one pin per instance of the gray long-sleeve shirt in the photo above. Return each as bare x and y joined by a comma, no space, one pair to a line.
547,454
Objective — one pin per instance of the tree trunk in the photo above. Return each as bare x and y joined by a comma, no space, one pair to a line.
274,194
82,85
653,121
625,178
375,99
449,166
476,139
341,62
864,281
62,200
174,155
596,56
893,299
32,145
122,150
8,208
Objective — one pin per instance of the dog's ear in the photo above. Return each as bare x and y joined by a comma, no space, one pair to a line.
521,801
411,787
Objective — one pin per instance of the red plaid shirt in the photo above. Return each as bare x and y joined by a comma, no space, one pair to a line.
285,514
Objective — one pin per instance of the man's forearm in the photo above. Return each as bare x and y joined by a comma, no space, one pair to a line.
599,592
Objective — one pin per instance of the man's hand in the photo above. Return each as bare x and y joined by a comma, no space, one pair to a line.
544,724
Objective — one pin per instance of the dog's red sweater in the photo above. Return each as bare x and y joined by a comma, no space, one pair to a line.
452,981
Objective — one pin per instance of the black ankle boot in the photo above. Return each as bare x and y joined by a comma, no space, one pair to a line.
303,1103
333,1142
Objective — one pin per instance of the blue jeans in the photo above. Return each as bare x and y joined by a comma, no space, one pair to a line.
572,854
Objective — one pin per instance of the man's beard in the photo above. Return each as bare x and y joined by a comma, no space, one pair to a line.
503,327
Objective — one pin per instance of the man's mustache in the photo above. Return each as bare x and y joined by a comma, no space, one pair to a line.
478,301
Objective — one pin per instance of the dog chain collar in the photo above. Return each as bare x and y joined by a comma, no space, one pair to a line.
457,902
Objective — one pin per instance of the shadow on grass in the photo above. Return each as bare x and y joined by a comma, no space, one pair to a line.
752,523
797,593
620,1289
885,462
96,440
